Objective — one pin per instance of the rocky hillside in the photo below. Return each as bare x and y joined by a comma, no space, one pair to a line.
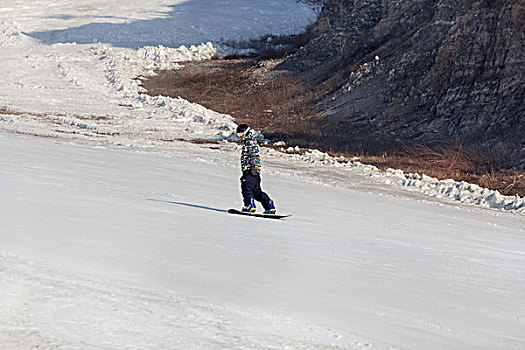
427,72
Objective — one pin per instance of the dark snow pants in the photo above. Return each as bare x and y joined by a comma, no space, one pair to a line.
251,188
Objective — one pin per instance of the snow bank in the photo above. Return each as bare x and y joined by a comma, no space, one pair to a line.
194,120
124,66
462,192
101,98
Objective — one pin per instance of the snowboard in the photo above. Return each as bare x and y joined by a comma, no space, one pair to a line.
258,215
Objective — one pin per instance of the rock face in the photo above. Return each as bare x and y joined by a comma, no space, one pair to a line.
420,72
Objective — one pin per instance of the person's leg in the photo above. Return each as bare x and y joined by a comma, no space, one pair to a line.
247,190
258,193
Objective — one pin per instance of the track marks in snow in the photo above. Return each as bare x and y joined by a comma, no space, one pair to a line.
45,307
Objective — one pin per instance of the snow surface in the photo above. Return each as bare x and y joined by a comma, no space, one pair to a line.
113,233
108,248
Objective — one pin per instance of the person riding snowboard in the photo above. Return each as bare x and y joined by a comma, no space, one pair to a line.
251,173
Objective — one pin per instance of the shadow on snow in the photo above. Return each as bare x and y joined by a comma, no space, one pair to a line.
189,22
189,205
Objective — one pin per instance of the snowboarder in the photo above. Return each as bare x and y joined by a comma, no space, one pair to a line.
251,173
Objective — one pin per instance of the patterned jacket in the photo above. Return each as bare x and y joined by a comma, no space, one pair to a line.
250,157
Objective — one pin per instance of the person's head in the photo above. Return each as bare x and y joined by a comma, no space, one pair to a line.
242,130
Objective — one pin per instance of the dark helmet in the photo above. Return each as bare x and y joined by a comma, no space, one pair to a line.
242,129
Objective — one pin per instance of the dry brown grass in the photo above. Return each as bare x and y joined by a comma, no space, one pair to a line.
239,88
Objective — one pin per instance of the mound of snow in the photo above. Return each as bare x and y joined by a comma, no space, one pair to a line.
462,192
124,66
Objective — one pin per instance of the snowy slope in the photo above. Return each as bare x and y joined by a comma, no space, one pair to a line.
129,248
105,248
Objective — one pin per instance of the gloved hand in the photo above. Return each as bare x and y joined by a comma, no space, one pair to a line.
255,171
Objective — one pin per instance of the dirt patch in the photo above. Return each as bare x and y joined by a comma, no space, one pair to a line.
4,111
247,89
